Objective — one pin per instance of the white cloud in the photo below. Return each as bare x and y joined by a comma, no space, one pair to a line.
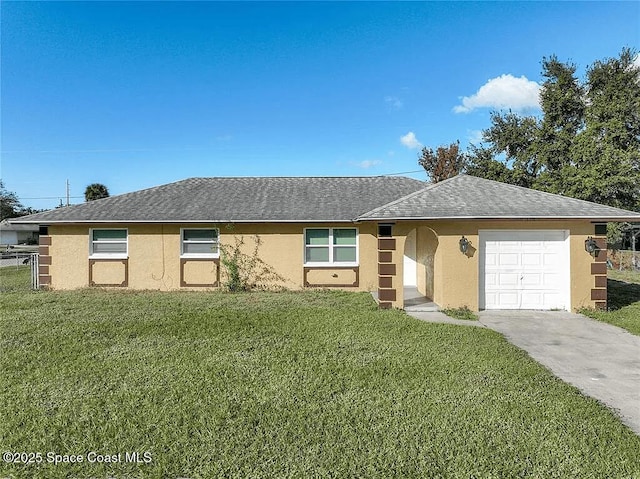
474,136
394,102
505,91
636,61
366,164
410,141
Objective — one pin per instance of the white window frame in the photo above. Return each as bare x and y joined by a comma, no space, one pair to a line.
200,255
331,246
93,255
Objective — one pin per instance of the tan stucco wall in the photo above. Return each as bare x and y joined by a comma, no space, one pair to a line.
456,276
447,276
69,252
154,255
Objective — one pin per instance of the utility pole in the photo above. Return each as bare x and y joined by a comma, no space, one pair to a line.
67,192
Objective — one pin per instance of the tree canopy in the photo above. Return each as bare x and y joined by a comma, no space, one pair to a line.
95,191
10,206
445,162
586,144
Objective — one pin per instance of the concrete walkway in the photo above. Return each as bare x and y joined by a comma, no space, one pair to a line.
601,360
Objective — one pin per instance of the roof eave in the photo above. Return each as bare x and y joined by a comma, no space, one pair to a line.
602,219
200,221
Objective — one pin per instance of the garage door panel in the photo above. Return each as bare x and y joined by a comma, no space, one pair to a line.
534,280
507,300
508,259
491,298
532,259
506,280
551,259
524,269
553,301
531,300
552,245
552,281
530,246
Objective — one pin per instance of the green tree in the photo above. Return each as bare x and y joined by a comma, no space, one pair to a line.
586,144
607,150
95,191
10,206
513,138
483,165
445,162
563,110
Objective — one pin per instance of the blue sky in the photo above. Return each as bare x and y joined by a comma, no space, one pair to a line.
134,95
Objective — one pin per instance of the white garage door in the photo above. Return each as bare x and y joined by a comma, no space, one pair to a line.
524,269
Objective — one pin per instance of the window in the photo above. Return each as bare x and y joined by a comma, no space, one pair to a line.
329,246
199,243
108,243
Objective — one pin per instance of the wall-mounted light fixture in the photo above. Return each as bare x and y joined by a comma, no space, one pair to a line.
591,247
464,245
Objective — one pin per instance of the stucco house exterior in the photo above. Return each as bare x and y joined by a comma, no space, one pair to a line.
465,241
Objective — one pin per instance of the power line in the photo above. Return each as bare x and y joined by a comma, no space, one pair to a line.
402,173
48,197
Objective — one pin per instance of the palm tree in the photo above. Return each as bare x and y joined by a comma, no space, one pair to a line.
95,191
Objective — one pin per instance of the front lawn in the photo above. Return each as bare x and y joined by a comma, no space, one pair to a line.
314,384
623,301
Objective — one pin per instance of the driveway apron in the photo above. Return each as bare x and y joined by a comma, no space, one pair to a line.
601,360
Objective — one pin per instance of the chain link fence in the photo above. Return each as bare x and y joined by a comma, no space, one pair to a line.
21,260
622,260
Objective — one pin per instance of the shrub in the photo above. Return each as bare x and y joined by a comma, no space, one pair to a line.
461,313
247,272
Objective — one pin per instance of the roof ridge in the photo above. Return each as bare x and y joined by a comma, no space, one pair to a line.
295,177
410,195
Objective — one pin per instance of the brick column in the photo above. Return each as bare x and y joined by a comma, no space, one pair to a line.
386,272
44,258
599,273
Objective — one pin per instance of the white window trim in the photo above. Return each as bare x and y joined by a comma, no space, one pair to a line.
93,255
199,255
331,263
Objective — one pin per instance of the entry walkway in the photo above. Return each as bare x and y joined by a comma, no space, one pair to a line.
601,360
414,301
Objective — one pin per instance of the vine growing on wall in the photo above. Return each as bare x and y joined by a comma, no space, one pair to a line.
247,272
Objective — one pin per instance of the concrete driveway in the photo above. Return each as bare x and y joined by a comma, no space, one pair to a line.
601,360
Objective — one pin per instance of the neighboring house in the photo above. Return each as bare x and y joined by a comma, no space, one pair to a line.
14,234
465,241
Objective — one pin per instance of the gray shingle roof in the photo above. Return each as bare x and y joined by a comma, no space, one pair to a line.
241,200
327,199
469,197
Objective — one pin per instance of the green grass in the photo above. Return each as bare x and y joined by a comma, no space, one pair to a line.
461,313
623,301
15,279
626,275
314,384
